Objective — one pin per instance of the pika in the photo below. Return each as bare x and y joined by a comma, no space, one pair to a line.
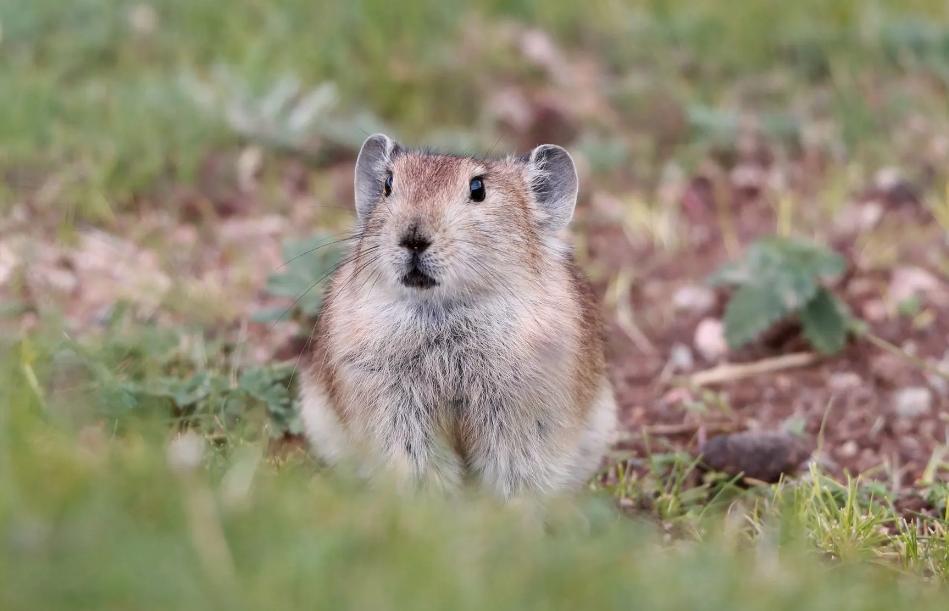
458,342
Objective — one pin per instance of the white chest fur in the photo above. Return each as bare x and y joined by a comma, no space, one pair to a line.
484,390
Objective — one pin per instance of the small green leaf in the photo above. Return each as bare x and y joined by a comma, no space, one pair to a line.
311,301
751,310
271,386
714,124
824,322
271,314
793,286
808,259
776,277
910,307
730,274
296,249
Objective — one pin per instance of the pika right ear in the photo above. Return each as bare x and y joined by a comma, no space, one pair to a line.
554,183
372,164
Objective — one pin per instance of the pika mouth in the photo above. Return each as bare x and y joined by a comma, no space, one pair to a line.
418,279
415,275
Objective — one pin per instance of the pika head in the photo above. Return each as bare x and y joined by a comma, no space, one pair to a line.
435,226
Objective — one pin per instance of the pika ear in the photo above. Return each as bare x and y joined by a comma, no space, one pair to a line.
374,160
553,180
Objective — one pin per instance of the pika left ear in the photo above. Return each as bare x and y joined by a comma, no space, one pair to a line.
554,183
375,157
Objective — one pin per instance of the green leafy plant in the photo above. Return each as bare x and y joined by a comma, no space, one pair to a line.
198,382
285,115
307,263
780,277
212,400
271,387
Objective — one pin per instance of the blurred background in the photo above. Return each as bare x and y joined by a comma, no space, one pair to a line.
762,183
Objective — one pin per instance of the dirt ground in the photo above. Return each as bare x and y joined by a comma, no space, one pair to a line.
866,410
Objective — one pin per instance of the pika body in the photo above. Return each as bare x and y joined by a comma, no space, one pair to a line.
458,341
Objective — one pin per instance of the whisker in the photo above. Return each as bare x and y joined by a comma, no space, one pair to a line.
310,335
312,250
297,301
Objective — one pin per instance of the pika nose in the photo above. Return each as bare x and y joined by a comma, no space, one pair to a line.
414,241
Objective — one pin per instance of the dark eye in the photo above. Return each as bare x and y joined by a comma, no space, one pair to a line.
477,189
387,186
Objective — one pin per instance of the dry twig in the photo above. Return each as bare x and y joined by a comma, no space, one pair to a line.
730,372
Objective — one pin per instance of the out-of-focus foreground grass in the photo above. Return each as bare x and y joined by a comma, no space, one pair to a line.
100,518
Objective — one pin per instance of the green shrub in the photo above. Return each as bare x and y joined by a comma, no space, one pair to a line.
781,277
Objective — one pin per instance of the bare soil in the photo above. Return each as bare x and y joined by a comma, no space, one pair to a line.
848,404
867,410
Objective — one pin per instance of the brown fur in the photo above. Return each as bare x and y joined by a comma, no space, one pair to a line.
516,264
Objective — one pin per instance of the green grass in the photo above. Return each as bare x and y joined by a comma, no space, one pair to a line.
103,505
116,98
115,513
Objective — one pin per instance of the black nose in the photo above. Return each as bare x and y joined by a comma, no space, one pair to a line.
414,241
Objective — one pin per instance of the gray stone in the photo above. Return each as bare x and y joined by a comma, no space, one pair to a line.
913,401
760,455
710,339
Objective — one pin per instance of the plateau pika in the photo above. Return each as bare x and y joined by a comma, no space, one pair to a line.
458,341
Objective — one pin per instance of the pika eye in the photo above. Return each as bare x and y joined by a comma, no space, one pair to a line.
387,185
477,189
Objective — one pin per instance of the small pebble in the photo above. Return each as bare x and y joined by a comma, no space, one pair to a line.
694,298
874,310
680,358
760,455
709,339
848,449
890,369
913,282
913,401
844,380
